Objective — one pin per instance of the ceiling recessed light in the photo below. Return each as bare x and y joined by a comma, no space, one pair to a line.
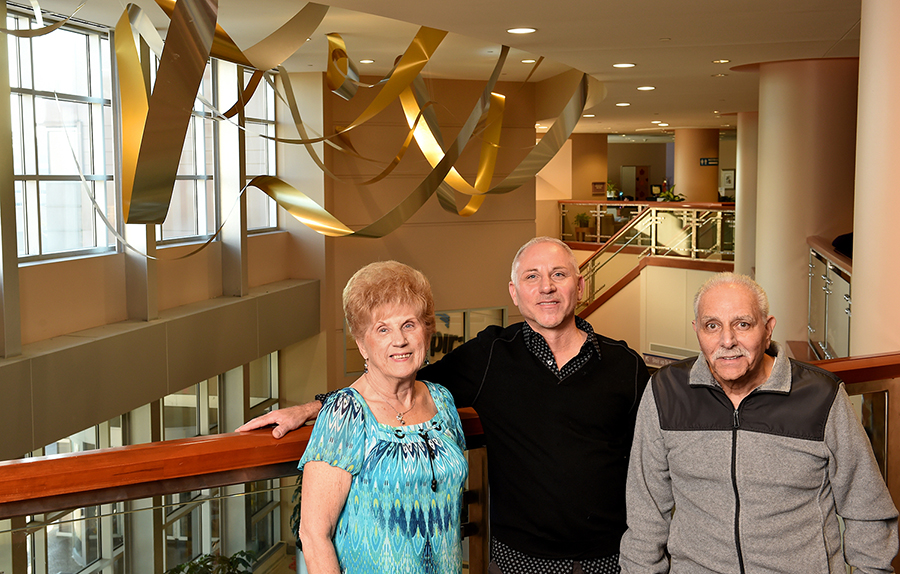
719,75
588,116
722,61
623,65
663,125
622,104
656,122
522,30
367,61
529,61
646,88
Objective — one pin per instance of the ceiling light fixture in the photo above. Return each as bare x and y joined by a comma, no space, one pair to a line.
646,88
656,122
719,75
622,104
367,61
623,65
722,61
663,125
529,61
522,30
588,116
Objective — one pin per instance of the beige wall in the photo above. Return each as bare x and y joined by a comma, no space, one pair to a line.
589,163
466,259
652,154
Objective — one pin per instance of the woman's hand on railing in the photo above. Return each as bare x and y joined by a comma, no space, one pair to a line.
285,420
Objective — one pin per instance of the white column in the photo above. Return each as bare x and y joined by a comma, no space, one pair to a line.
876,275
745,193
807,126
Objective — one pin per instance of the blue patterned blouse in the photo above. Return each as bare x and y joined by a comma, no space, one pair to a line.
402,513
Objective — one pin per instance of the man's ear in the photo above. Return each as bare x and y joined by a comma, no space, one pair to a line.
512,293
770,327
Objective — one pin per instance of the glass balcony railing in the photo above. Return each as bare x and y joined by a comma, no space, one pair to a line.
625,232
154,506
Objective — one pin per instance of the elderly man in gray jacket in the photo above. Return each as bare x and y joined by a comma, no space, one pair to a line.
743,459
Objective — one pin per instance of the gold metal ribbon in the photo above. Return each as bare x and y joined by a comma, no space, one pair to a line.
41,29
149,175
341,74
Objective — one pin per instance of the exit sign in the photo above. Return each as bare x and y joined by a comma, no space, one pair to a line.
709,161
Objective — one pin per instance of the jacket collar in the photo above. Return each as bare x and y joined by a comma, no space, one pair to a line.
779,380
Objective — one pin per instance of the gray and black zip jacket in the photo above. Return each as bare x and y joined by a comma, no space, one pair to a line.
758,488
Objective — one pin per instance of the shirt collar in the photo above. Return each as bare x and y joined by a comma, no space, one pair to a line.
533,339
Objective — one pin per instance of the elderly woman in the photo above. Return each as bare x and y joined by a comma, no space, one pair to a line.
384,469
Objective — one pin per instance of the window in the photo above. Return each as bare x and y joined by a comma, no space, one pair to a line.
259,120
193,209
62,124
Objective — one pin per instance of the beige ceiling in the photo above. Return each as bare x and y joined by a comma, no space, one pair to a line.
672,42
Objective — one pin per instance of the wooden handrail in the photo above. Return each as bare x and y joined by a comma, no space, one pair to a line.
64,481
864,368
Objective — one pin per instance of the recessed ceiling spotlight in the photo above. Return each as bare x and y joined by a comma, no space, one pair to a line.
529,61
656,122
663,125
719,75
623,65
622,104
646,88
522,30
367,61
588,116
722,61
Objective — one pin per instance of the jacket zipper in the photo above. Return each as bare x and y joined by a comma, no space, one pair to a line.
734,486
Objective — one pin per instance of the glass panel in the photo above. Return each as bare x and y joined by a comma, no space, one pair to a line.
187,165
184,538
73,541
450,333
213,405
180,412
208,217
17,142
257,208
66,217
63,130
181,218
263,379
261,532
21,220
60,60
479,319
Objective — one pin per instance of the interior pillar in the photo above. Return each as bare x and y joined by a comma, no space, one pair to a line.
745,193
697,178
876,275
807,133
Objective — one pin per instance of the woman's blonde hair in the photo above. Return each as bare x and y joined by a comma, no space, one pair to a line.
386,283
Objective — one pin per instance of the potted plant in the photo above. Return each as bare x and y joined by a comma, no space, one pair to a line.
240,562
670,195
582,221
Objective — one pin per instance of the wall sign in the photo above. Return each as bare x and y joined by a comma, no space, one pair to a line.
709,161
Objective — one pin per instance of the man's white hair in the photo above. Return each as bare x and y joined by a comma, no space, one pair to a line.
762,300
515,263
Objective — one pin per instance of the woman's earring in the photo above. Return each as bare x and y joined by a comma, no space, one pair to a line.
365,366
427,362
